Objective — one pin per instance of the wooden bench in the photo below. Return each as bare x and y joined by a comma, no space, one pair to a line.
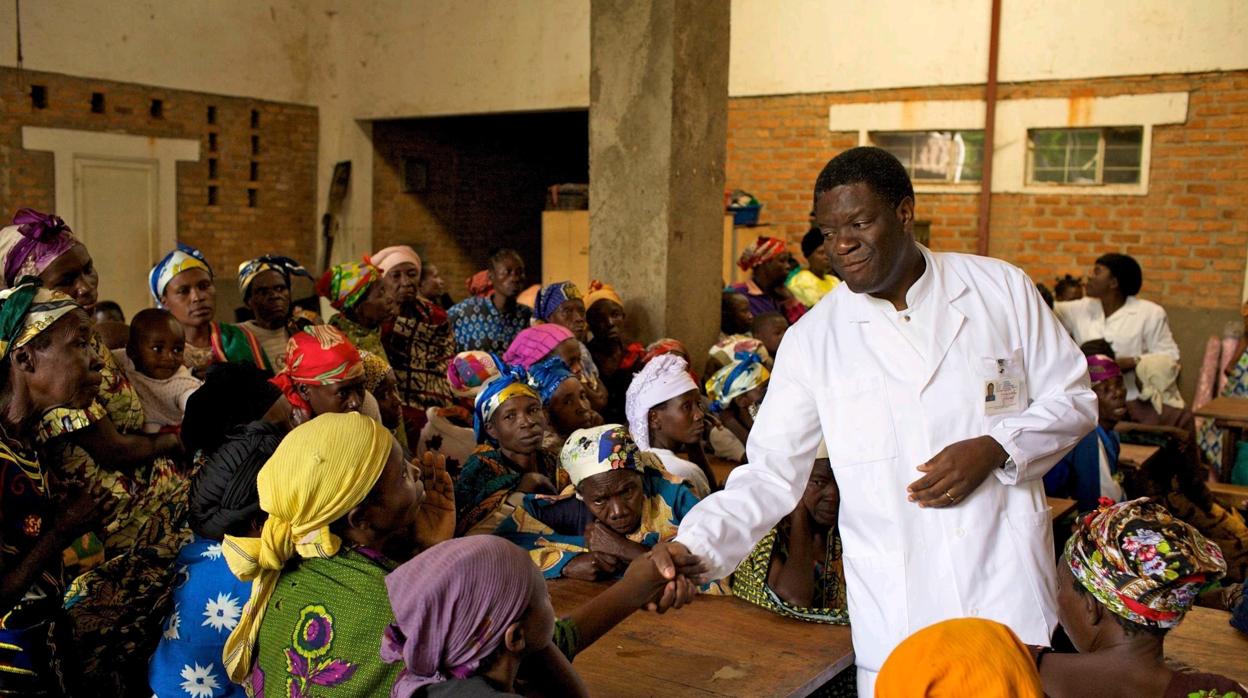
1205,641
1059,507
1136,455
718,646
1231,496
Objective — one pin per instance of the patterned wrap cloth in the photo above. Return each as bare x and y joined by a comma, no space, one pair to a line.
33,242
1101,368
536,343
319,355
249,270
547,375
452,605
321,470
667,345
552,297
184,258
598,450
28,309
511,382
662,378
479,284
726,350
469,371
761,251
1142,563
345,285
741,376
960,657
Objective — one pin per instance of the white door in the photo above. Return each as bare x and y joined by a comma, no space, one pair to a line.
116,215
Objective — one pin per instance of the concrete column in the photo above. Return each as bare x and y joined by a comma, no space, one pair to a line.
657,138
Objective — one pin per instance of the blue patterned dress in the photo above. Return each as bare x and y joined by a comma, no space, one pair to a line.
478,325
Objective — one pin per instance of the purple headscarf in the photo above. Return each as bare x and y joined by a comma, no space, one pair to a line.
452,605
1101,368
32,243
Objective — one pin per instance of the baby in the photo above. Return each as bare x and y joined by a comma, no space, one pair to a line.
153,363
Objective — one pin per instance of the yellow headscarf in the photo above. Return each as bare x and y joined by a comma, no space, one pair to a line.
322,470
960,657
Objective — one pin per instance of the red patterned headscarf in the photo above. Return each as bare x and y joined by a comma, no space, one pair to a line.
318,355
763,250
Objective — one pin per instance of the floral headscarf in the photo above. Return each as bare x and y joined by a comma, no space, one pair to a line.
184,258
1142,563
598,450
345,285
317,355
760,252
552,296
249,270
741,376
33,242
727,349
26,310
512,382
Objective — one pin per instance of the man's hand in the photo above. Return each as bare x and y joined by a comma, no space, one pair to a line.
683,570
956,472
436,520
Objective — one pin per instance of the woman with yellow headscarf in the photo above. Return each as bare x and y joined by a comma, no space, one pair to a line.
341,504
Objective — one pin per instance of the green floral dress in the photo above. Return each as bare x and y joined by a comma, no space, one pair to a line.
749,582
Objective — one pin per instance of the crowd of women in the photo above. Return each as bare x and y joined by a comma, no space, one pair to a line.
369,503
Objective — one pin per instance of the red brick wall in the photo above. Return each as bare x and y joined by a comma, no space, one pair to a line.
1189,233
487,180
284,218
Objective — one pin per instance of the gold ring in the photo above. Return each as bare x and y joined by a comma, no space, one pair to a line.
950,497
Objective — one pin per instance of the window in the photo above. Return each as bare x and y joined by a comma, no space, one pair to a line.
936,157
1085,156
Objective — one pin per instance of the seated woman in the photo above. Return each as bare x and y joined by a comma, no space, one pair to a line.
736,391
726,350
796,570
616,357
324,373
960,657
664,408
817,280
1090,470
356,292
565,399
45,361
182,283
236,422
381,384
473,617
448,430
509,424
562,304
735,317
342,505
624,504
768,260
1129,573
264,283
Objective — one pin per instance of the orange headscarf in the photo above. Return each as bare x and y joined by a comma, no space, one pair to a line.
960,657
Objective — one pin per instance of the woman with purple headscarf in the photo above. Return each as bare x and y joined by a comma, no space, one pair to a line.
1089,471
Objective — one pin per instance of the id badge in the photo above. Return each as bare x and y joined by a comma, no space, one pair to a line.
1005,386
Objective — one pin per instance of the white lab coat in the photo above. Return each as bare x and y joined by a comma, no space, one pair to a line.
1137,328
846,373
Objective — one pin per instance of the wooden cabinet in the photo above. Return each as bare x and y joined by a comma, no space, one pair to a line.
565,247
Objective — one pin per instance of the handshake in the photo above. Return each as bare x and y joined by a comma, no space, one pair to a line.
666,577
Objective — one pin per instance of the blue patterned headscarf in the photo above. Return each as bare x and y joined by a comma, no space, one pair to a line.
552,296
741,376
512,382
547,375
184,258
249,270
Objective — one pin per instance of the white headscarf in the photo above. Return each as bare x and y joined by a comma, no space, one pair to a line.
665,377
1158,374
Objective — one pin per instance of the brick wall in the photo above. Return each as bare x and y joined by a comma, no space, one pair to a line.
1189,233
486,185
283,219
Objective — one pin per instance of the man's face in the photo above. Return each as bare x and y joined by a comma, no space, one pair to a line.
507,275
269,299
868,240
615,498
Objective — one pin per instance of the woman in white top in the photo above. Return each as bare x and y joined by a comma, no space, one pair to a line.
664,410
1110,310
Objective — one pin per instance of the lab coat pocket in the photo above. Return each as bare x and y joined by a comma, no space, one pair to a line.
1032,535
878,611
858,422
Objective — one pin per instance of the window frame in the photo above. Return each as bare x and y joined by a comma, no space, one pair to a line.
947,184
1029,166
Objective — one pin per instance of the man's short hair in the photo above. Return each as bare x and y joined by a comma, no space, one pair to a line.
1125,269
884,173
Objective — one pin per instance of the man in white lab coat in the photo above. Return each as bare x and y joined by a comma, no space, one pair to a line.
943,512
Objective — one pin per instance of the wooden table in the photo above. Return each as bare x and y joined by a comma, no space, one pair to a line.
1231,415
716,647
1231,496
1059,507
1136,455
1205,641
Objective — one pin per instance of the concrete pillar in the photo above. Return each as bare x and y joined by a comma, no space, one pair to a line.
657,137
